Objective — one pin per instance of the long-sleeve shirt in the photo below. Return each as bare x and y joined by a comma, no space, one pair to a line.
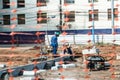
54,41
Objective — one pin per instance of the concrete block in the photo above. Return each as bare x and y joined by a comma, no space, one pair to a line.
54,68
32,73
64,66
69,65
40,71
117,73
2,65
57,64
89,51
27,78
28,73
118,56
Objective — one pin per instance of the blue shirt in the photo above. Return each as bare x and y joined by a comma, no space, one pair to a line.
54,41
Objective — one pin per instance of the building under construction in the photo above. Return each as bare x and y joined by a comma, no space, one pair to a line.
90,17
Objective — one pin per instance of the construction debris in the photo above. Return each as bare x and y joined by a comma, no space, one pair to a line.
32,73
2,65
57,66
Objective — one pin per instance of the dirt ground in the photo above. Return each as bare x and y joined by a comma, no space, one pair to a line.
17,56
22,55
79,73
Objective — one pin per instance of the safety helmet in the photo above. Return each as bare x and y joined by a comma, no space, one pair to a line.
66,44
57,33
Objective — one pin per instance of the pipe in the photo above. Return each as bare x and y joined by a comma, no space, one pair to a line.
112,15
93,25
60,11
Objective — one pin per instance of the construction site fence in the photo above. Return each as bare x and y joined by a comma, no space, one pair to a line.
84,39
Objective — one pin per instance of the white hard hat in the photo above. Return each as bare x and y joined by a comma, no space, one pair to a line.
66,44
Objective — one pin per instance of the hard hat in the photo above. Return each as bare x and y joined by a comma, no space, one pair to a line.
57,33
66,44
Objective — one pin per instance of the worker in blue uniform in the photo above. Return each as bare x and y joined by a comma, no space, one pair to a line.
54,43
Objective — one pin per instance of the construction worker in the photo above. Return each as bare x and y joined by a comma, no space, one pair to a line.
68,50
54,43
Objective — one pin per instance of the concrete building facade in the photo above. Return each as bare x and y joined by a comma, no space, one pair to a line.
76,16
77,10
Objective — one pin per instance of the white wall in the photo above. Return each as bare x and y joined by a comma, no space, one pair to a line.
82,39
